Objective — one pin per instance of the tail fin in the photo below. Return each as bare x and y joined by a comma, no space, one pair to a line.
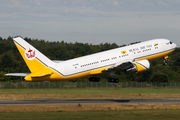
34,59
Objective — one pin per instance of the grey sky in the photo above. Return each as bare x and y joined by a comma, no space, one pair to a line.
91,21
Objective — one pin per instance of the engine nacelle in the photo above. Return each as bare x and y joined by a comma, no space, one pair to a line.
139,66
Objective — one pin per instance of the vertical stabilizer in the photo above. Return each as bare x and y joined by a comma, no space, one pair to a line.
34,59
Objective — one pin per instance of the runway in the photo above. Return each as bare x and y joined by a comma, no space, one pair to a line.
89,101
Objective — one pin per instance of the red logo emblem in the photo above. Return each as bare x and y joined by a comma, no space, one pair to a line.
30,54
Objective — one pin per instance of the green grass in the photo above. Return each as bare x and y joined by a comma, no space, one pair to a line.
75,91
96,115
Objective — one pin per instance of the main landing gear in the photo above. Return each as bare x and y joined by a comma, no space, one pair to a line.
94,79
113,80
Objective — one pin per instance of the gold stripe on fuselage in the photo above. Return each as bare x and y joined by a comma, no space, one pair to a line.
56,76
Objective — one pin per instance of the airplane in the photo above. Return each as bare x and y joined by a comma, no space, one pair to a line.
133,58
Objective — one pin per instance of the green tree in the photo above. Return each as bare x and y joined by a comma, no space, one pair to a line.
2,77
159,77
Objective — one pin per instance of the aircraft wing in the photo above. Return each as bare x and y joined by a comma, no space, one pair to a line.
17,74
121,65
136,66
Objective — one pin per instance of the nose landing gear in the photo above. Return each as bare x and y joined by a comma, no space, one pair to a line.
165,60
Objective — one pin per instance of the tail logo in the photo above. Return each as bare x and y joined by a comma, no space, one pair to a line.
30,54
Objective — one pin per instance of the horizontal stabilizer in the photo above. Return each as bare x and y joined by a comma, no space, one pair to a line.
17,74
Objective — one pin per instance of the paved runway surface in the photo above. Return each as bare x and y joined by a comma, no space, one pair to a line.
89,101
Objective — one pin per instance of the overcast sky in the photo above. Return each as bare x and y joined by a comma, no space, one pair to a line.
91,21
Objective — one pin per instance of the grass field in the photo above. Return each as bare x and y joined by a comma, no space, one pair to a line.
91,93
89,112
95,115
80,107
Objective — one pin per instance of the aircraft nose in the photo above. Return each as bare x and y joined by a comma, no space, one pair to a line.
174,45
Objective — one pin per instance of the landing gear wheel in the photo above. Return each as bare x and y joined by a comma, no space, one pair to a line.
116,80
97,79
113,80
90,79
94,79
165,62
109,80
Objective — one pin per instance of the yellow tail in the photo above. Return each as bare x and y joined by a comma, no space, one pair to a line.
34,59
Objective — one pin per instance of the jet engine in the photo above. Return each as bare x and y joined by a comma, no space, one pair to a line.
139,66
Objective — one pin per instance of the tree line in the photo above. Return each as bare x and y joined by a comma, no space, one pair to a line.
12,62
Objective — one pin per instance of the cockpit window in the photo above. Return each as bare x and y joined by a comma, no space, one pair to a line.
171,42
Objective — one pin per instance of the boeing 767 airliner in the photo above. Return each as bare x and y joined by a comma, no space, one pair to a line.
132,58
